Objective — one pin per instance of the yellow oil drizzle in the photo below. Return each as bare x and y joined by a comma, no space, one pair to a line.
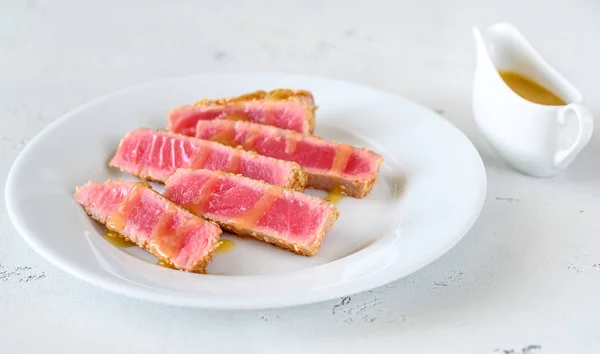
116,239
237,117
164,264
334,196
225,246
342,154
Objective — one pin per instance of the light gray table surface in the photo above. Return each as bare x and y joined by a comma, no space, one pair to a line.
525,279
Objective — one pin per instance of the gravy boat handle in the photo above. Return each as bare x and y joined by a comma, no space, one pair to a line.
585,127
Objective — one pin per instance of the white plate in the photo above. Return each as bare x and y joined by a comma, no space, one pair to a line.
430,191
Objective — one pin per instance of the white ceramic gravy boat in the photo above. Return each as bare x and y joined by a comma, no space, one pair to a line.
538,140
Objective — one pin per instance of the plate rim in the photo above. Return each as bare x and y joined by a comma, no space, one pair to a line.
274,300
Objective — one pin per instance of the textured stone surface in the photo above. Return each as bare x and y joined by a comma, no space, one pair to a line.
526,279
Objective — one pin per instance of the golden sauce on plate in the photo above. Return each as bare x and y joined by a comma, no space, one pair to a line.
164,264
342,154
116,239
530,90
334,196
225,246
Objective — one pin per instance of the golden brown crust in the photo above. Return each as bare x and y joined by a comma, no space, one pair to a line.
139,175
351,188
302,96
202,263
332,217
283,94
276,94
310,115
298,179
198,267
252,96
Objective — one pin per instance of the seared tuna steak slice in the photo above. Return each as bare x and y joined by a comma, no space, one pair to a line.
330,166
140,215
155,155
283,108
291,220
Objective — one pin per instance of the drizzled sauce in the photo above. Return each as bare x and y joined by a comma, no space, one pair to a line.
341,158
115,239
253,133
198,206
117,219
199,159
237,117
225,246
342,154
170,233
249,218
290,143
334,196
164,264
235,161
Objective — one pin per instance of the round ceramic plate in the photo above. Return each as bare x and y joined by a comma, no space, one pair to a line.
430,191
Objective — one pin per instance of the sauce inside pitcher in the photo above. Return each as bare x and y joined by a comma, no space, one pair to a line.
541,126
530,90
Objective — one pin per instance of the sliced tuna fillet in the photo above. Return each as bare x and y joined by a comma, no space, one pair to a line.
283,108
291,220
140,215
330,166
155,155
